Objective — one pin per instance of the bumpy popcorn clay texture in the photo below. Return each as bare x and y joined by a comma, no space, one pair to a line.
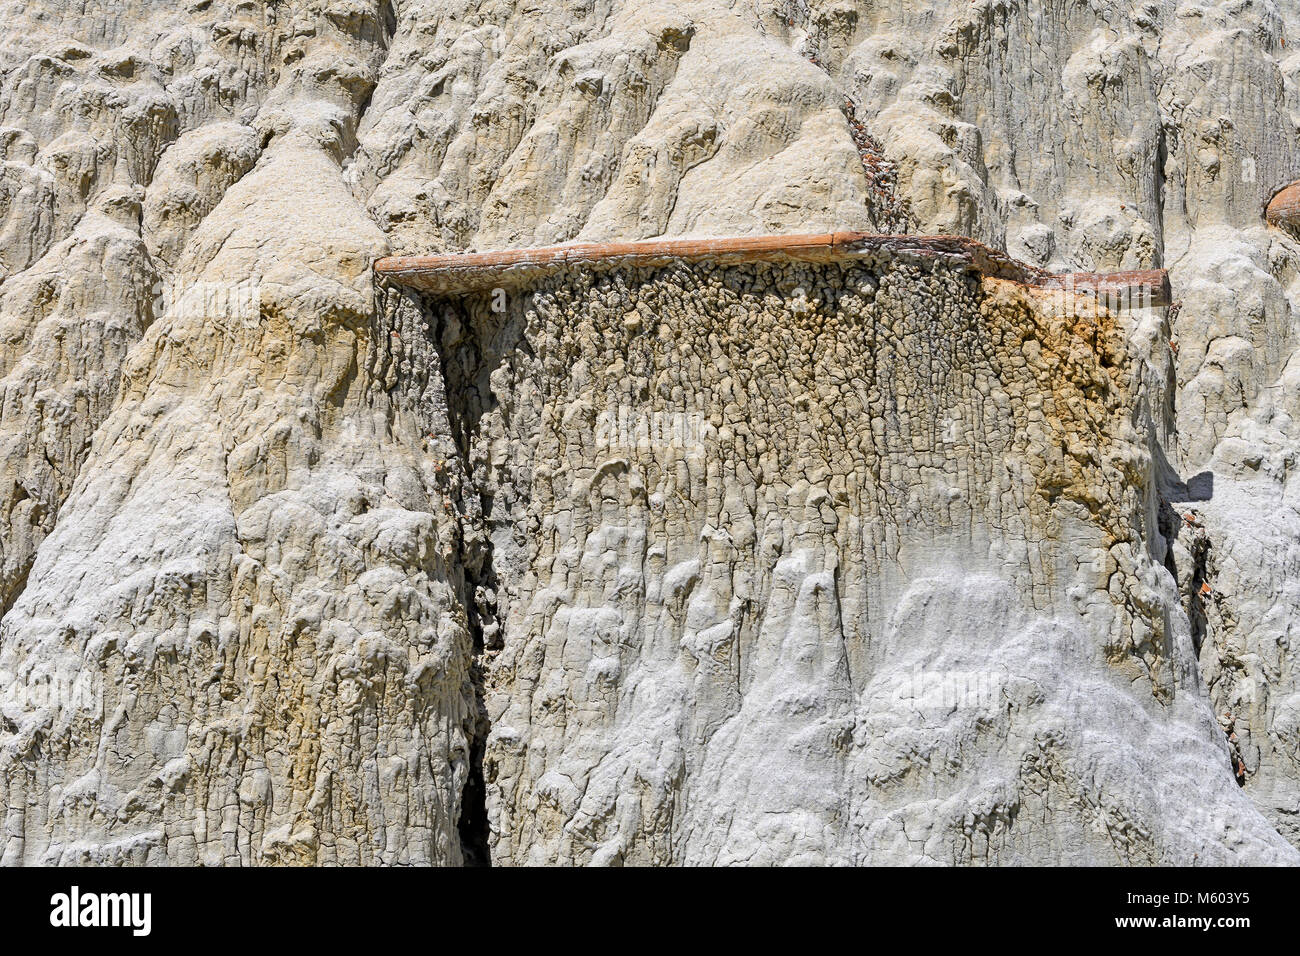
881,559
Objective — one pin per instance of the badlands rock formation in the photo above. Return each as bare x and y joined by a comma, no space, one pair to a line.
874,560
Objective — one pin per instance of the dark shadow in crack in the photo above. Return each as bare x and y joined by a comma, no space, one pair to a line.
1199,487
1173,488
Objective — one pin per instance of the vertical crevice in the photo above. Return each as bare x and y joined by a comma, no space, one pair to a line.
475,846
455,340
419,356
1199,587
1169,524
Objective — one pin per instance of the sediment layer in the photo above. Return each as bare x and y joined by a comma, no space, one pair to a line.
467,272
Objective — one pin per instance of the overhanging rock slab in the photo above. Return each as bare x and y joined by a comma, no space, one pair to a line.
477,271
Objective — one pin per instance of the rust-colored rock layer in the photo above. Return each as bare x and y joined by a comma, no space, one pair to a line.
1284,208
476,271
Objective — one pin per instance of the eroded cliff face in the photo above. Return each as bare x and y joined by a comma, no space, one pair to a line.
928,568
828,563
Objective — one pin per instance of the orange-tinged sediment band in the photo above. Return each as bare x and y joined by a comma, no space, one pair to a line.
477,271
1284,208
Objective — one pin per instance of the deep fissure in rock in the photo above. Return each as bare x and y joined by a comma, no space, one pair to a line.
411,360
473,822
457,342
